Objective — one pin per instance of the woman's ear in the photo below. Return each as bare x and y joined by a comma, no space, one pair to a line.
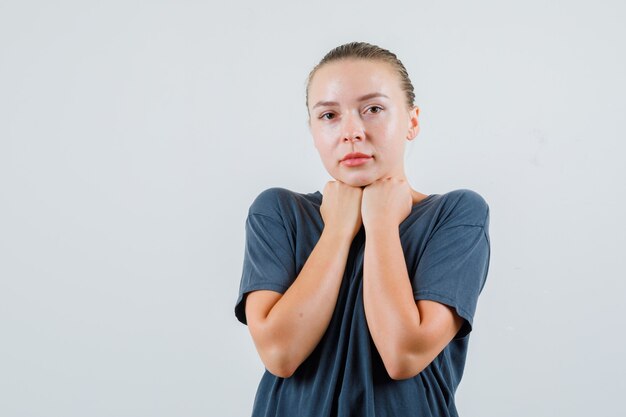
414,126
308,124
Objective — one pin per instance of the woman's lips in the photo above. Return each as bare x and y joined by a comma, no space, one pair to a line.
352,162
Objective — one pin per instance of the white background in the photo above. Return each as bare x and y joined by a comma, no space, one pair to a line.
135,135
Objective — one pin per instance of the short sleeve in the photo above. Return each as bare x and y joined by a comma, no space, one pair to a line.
453,269
268,262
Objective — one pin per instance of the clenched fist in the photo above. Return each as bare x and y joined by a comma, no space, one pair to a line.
341,208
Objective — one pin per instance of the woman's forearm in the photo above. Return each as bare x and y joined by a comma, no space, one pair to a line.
299,319
390,309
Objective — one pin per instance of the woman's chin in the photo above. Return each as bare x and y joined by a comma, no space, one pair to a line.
356,182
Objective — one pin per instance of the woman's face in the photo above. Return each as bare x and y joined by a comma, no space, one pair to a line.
358,106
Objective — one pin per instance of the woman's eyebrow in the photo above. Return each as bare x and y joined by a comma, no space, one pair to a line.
363,98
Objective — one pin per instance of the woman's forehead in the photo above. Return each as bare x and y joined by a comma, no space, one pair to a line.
352,80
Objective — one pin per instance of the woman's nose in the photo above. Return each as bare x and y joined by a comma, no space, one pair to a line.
352,129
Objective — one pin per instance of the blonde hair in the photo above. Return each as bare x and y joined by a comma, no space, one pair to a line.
367,51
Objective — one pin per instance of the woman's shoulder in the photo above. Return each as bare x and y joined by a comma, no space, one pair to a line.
466,196
276,201
464,206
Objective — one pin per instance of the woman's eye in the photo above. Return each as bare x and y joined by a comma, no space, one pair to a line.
325,114
376,107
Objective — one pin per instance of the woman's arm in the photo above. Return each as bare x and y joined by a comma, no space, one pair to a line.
286,328
407,334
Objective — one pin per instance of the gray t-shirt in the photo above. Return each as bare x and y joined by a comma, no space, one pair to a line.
446,244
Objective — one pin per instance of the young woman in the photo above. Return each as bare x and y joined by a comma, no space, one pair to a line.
360,299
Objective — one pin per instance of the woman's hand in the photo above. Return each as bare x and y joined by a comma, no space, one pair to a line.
386,203
341,208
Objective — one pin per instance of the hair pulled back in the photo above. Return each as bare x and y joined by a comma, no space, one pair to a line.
366,51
